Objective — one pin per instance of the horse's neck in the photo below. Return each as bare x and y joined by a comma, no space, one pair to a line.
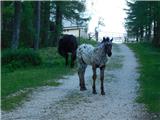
100,49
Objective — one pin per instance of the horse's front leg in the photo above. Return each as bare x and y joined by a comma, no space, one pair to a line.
94,79
102,79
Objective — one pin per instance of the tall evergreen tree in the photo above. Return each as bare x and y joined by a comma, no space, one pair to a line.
142,17
45,22
69,10
37,24
16,25
58,27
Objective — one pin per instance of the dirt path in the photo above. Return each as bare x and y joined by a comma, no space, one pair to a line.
66,102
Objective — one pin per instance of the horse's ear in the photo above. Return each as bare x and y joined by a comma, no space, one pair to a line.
111,40
103,38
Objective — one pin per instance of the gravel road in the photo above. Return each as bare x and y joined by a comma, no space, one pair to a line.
66,102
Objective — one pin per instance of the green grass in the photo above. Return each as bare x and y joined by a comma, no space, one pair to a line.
12,102
92,42
21,79
53,67
149,59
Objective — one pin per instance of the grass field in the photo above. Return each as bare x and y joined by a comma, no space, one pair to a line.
17,84
32,77
149,59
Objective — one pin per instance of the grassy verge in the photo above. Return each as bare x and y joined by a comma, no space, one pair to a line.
17,84
32,77
149,59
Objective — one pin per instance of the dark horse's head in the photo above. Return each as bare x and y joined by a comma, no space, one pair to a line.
108,45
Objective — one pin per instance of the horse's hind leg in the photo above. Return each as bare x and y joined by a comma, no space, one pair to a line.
73,58
81,73
94,79
102,79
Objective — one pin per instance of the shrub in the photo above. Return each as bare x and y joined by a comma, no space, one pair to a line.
20,58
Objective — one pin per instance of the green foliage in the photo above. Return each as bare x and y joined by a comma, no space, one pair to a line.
86,41
71,10
149,58
53,67
27,29
20,58
6,23
13,101
51,57
143,19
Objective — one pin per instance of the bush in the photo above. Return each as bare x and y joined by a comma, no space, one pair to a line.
87,41
20,58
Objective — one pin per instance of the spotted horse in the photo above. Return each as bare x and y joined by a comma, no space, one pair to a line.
97,58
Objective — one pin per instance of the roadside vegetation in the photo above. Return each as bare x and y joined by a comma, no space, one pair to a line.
20,77
30,32
149,59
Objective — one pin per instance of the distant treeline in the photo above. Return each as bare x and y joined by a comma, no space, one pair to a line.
143,21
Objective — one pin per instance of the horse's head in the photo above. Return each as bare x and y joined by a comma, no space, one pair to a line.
108,45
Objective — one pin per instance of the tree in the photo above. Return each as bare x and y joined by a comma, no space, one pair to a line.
37,25
16,25
1,14
156,20
58,30
142,17
69,10
27,31
45,22
26,24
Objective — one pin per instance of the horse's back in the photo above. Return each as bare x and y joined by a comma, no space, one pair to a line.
85,52
68,44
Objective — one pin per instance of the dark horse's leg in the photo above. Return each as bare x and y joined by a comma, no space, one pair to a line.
73,58
81,71
102,79
66,57
94,79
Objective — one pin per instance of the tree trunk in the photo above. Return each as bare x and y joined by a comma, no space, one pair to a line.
47,21
16,25
58,29
141,33
1,15
37,25
156,36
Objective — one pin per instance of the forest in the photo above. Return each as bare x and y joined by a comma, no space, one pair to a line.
143,21
37,24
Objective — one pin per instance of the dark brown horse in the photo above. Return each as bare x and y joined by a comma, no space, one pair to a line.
68,44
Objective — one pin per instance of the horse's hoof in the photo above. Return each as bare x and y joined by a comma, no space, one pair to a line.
102,93
83,89
94,92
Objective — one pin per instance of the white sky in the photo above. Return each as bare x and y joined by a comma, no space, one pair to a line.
111,11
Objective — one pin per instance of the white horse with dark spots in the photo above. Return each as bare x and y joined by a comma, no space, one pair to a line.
97,58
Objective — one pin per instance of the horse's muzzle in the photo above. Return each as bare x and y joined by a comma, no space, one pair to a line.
109,54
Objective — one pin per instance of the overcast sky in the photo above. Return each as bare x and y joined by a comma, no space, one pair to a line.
111,11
